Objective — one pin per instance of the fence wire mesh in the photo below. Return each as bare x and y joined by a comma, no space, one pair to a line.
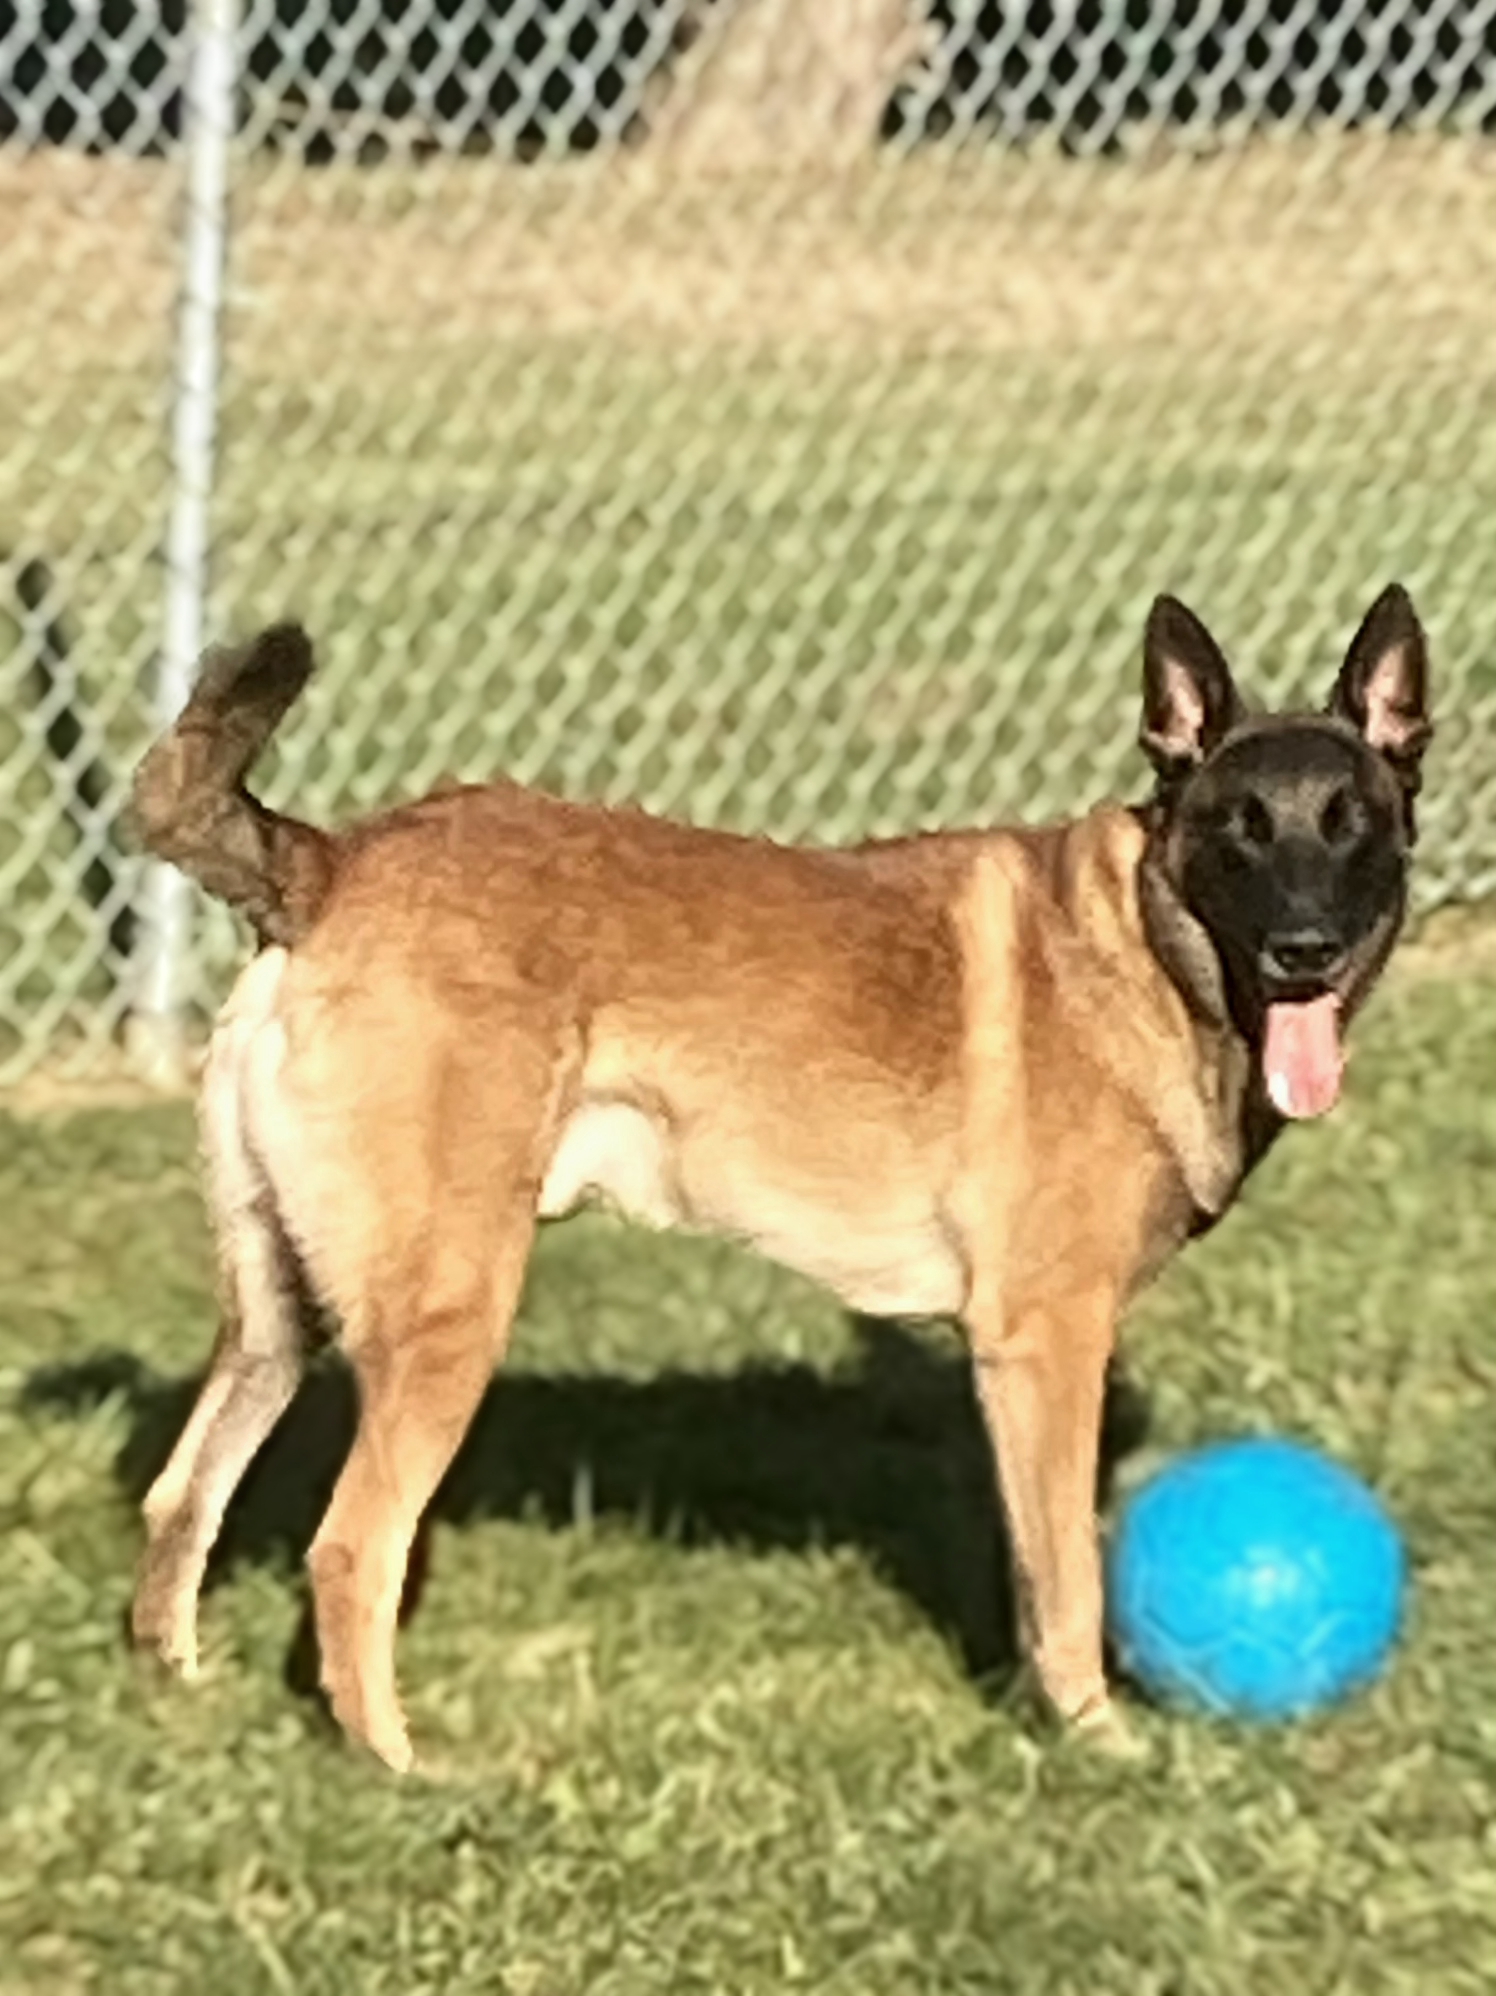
776,411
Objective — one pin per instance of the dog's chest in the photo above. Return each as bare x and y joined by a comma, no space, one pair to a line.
878,1239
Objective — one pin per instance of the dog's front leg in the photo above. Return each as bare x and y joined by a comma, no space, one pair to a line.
1041,1376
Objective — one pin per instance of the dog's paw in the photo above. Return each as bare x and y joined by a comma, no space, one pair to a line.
396,1751
378,1737
1105,1728
167,1637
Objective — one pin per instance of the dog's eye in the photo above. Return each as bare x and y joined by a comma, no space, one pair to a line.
1250,822
1341,820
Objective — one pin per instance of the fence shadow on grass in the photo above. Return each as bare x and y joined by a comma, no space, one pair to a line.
886,1455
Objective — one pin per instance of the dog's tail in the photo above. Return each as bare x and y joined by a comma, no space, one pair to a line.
189,801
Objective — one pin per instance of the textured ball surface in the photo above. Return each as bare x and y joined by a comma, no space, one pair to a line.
1255,1578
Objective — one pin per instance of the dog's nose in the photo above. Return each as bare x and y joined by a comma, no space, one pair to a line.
1299,953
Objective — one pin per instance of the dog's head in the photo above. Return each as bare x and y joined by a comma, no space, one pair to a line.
1275,879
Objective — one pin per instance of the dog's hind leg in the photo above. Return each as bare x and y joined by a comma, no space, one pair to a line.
436,1218
256,1365
423,1360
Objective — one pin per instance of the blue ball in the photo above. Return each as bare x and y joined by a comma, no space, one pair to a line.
1255,1579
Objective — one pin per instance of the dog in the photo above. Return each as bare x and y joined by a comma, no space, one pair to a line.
996,1075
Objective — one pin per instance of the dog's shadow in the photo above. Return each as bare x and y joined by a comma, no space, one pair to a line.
886,1454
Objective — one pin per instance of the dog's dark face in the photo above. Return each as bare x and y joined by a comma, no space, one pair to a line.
1280,844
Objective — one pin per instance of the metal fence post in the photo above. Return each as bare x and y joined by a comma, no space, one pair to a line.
156,1034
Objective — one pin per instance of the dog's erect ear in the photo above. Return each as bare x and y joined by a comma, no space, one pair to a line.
1383,685
1189,696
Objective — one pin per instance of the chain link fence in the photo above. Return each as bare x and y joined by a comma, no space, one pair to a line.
777,411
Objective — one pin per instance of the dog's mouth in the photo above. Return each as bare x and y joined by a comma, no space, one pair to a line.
1302,1056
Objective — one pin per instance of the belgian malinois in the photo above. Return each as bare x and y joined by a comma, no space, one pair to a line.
997,1075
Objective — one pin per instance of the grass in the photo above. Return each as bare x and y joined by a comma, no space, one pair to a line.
710,1659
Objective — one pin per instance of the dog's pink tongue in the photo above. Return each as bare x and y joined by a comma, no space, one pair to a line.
1302,1057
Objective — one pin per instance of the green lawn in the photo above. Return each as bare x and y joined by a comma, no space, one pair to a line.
710,1658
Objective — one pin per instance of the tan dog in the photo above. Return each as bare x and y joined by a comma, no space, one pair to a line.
994,1075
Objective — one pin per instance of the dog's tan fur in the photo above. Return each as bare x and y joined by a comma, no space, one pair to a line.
943,1076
